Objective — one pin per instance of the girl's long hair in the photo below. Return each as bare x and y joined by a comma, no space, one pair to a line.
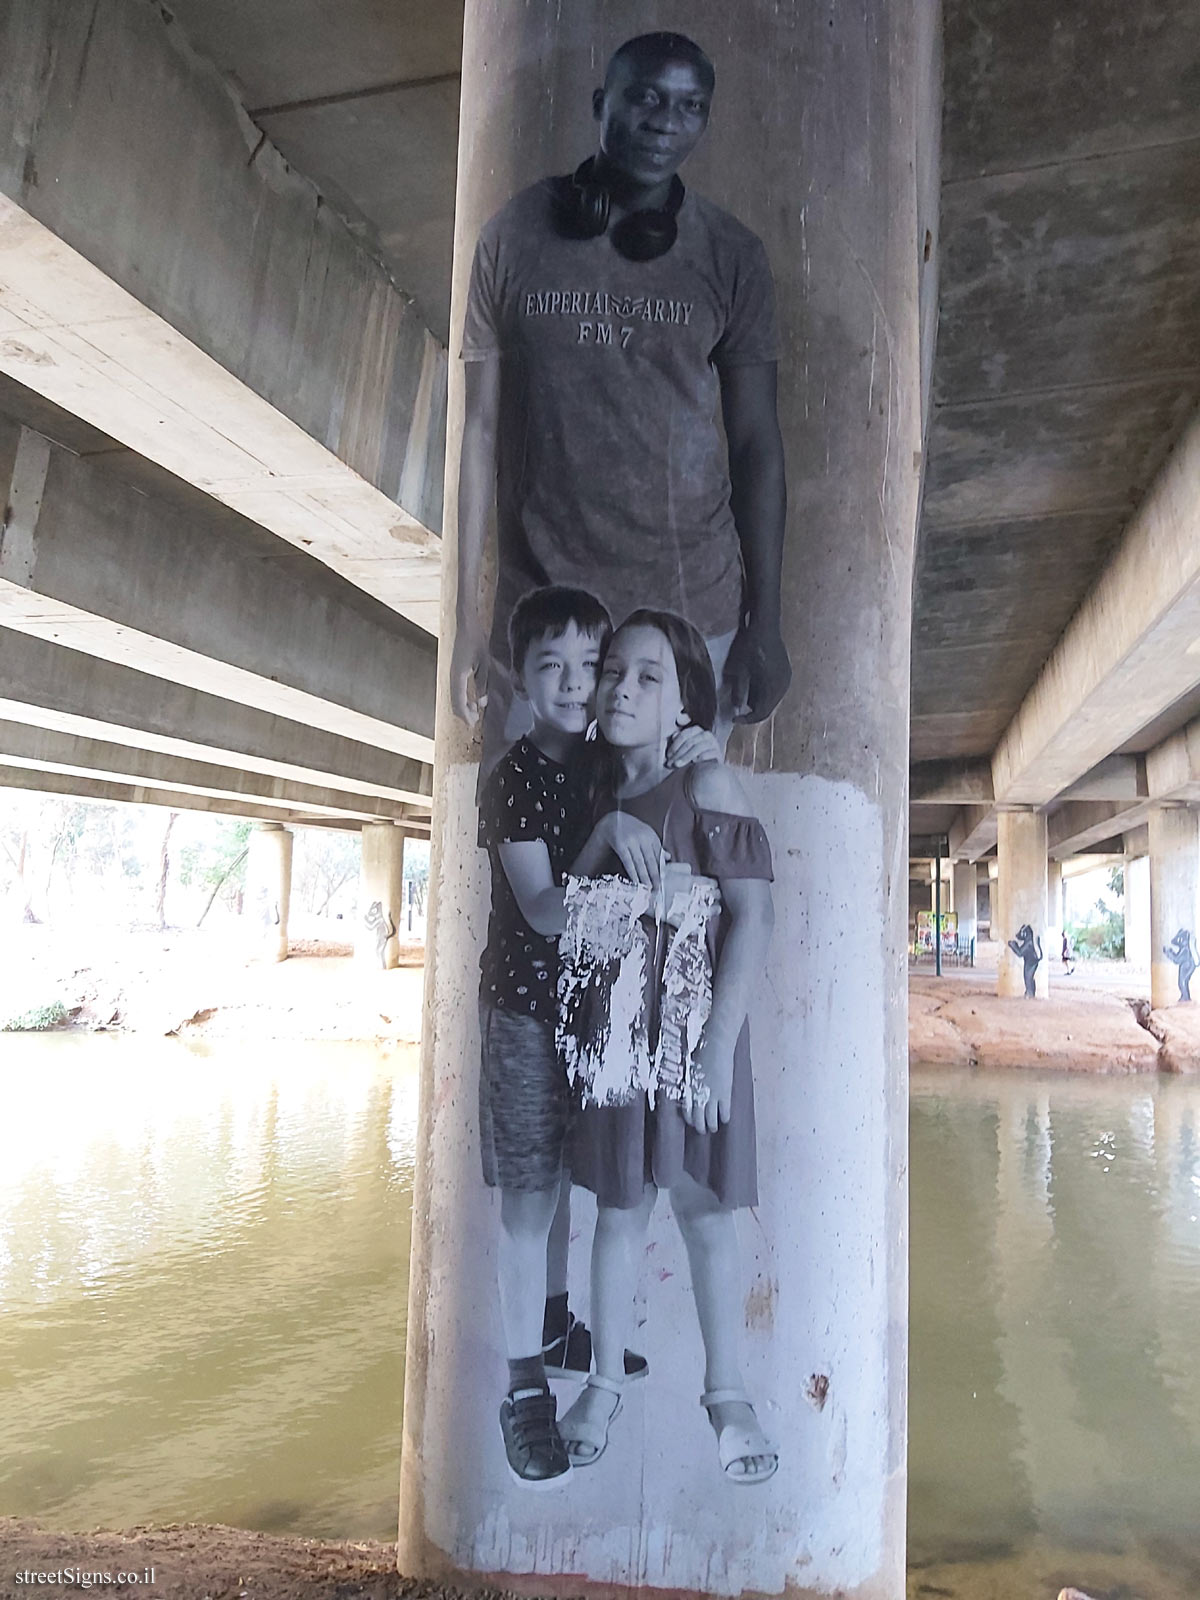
697,691
693,664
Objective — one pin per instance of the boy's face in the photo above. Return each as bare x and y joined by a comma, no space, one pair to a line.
651,118
558,679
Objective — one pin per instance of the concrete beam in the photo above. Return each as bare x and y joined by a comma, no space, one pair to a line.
958,783
1137,842
1130,651
145,571
1114,778
110,792
166,275
48,686
974,833
48,751
1082,824
1173,767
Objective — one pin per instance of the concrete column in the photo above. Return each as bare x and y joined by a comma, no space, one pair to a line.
380,895
268,890
965,900
830,189
1054,910
1174,879
1137,910
1021,901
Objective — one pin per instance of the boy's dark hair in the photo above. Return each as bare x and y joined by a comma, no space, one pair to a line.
693,664
659,47
549,611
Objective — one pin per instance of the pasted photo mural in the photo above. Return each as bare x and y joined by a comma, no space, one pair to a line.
620,351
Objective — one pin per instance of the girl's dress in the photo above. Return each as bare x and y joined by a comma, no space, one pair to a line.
617,1150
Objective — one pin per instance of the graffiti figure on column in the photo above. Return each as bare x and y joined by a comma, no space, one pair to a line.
1029,950
614,320
1182,951
383,928
620,346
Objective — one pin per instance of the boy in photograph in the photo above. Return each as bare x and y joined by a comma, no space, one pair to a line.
620,347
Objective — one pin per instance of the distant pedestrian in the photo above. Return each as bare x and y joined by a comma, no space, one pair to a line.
1067,958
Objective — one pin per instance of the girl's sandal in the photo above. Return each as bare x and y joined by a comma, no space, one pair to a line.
586,1440
739,1444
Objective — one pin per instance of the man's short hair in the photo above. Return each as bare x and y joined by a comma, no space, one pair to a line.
547,613
655,48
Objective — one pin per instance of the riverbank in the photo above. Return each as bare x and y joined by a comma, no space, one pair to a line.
198,985
959,1020
193,984
195,1562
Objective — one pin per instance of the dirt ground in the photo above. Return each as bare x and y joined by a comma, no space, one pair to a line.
201,984
195,1562
192,1562
1097,1019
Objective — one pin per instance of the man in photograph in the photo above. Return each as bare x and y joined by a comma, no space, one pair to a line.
620,346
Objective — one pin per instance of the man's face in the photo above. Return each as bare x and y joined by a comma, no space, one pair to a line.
651,118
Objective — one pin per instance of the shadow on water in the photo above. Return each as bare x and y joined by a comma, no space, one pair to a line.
203,1284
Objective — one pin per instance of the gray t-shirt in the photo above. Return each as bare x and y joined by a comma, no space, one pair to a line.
613,470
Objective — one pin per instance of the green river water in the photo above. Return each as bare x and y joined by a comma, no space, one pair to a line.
203,1262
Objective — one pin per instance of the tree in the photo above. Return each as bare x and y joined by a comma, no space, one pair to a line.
218,864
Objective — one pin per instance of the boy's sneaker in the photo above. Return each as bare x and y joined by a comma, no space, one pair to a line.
537,1457
570,1355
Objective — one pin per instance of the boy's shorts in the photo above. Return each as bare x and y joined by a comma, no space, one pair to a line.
524,1102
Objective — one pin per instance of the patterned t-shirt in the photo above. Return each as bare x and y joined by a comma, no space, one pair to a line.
527,797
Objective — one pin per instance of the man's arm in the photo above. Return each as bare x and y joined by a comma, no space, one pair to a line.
476,504
758,659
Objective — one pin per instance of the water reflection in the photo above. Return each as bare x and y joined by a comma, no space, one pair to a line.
203,1279
203,1266
1055,1374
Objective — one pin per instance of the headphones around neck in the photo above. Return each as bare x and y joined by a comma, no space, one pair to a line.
585,206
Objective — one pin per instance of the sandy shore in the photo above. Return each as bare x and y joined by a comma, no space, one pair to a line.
194,1562
1096,1020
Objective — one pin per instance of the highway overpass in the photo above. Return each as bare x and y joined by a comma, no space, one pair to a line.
225,252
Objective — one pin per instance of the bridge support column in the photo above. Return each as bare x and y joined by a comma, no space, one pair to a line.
1054,910
380,895
817,1277
1137,910
1174,882
269,890
965,901
1021,856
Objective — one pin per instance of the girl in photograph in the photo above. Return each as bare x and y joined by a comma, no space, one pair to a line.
684,1124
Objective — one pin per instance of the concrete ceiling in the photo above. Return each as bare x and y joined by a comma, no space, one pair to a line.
362,97
1068,356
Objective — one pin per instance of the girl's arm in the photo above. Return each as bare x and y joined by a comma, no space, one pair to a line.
526,864
750,909
749,906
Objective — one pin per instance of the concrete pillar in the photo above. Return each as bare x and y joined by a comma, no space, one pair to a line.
1054,910
1137,910
1174,879
1021,901
380,895
268,890
830,190
965,900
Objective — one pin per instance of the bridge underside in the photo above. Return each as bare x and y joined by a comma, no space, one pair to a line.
223,311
